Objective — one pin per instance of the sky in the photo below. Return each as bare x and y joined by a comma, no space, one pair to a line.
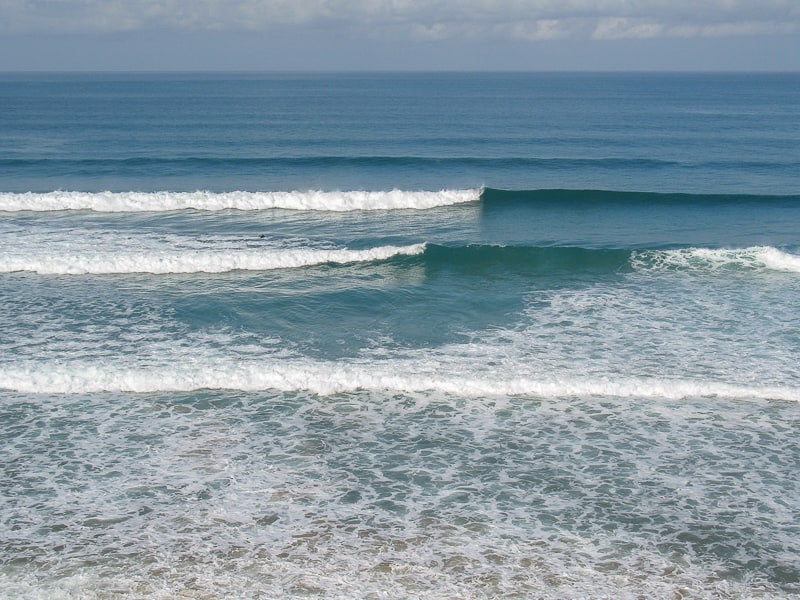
335,35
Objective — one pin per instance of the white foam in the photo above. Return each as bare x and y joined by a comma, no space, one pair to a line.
330,378
162,261
400,498
779,261
705,259
239,200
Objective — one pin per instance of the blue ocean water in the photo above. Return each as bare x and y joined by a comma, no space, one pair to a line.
399,335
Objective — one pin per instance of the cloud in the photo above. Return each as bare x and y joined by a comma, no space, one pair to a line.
431,20
611,28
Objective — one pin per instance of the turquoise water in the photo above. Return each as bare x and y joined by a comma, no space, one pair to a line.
441,336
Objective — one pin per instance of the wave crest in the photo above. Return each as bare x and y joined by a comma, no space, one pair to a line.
214,201
196,261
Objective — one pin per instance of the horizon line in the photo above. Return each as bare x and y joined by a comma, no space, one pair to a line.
397,71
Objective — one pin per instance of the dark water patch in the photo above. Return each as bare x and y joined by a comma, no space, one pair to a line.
486,260
496,199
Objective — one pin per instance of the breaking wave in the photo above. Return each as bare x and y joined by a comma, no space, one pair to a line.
329,378
709,259
193,261
212,201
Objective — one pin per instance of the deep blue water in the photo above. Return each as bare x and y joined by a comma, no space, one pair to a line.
421,335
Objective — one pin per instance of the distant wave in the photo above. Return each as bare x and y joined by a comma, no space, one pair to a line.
254,163
193,261
122,165
212,201
328,378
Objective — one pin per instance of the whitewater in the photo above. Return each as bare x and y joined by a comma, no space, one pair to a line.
241,200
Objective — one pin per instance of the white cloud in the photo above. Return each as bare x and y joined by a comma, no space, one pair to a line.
431,20
615,28
541,29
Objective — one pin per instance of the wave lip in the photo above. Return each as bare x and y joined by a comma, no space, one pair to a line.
197,261
778,260
240,200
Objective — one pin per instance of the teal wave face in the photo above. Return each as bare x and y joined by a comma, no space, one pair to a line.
495,199
485,260
638,220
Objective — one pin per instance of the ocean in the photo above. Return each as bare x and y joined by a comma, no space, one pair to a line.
410,335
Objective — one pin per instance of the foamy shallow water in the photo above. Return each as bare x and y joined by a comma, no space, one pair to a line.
408,495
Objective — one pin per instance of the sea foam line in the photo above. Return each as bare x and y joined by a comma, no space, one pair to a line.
212,201
194,261
335,378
